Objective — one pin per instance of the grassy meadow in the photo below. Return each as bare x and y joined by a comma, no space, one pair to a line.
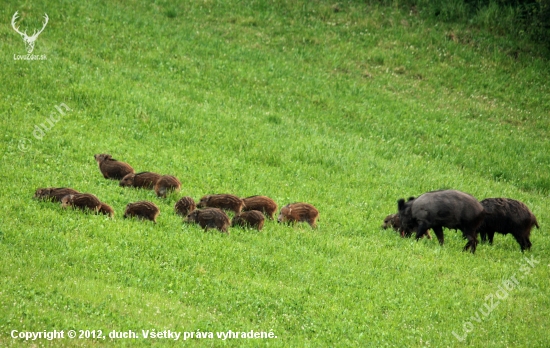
346,106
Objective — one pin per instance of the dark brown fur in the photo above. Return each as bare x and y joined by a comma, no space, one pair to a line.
106,209
82,201
145,180
252,218
55,194
299,212
393,221
167,183
142,209
210,218
505,215
111,168
262,203
185,206
222,201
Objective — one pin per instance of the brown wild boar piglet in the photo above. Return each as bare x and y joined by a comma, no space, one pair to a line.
55,194
261,203
184,206
222,201
165,184
106,210
251,218
142,209
299,212
82,201
393,221
145,180
210,218
111,168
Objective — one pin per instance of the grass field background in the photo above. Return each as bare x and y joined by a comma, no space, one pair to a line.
346,109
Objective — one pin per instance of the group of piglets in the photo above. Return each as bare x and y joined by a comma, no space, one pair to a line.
461,211
248,212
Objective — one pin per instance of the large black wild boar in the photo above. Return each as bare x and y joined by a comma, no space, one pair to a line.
446,208
506,215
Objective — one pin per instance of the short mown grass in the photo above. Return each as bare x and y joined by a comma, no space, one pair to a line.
347,109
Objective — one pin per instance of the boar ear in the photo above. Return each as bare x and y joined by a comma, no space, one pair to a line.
411,198
400,204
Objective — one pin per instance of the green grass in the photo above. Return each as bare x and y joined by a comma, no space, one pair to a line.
346,110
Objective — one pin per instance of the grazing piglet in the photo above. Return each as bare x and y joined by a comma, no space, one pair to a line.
165,184
437,209
184,206
251,218
55,194
82,201
262,203
506,215
111,168
106,210
210,218
393,221
299,212
222,201
142,209
145,180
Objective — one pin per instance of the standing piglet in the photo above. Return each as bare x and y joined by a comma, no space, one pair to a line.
222,201
142,209
111,168
165,184
506,215
146,180
262,203
184,206
252,218
445,208
210,218
299,212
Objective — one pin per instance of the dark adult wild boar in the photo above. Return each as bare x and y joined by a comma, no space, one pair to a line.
506,215
222,201
210,218
55,194
111,168
261,203
251,218
437,209
146,180
299,212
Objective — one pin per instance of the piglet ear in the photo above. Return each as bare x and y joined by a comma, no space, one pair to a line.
400,204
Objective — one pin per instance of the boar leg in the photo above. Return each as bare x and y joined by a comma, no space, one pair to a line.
491,236
421,230
472,241
483,236
439,234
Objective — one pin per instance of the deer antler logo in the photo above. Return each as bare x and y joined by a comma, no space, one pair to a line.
29,40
